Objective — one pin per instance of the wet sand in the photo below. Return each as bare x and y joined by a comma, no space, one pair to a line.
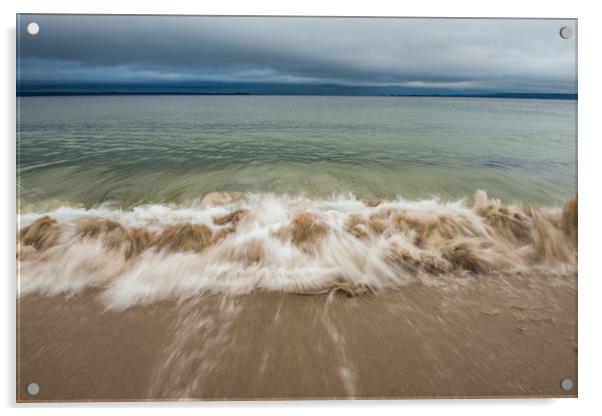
489,336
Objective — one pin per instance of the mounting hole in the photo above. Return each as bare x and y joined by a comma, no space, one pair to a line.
33,389
33,28
566,32
566,384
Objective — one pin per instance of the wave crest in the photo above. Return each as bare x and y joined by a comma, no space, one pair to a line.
237,243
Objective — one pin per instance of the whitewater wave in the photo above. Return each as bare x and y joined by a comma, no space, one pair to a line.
238,243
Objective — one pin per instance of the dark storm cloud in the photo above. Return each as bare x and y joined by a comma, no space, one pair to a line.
459,54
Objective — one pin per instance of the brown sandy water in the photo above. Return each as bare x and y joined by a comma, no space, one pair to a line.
491,336
236,244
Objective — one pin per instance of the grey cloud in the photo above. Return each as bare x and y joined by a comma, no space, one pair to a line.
442,53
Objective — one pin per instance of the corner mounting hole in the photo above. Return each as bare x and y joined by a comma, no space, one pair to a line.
33,28
566,32
566,384
33,389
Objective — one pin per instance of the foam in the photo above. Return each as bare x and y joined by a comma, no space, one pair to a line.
238,243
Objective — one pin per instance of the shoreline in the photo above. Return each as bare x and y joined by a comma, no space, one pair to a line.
486,338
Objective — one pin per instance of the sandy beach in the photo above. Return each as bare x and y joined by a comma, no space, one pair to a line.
487,337
398,300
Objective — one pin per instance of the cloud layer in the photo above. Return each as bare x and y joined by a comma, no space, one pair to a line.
460,55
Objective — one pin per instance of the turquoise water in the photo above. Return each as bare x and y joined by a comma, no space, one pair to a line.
129,150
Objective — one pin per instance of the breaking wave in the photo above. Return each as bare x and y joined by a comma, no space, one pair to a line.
238,243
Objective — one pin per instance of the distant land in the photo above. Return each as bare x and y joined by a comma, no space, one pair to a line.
32,89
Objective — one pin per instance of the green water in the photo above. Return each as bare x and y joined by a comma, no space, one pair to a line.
128,150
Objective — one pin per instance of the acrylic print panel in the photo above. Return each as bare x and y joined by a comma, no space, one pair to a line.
295,208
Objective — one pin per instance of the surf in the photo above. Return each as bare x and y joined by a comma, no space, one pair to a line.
237,243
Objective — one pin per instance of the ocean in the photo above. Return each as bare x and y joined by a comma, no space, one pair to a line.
238,193
124,151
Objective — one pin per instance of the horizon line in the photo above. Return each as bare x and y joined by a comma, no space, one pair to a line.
533,95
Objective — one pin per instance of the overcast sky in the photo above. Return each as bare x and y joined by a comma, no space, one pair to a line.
441,55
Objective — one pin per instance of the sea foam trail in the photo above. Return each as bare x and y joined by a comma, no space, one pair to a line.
237,243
